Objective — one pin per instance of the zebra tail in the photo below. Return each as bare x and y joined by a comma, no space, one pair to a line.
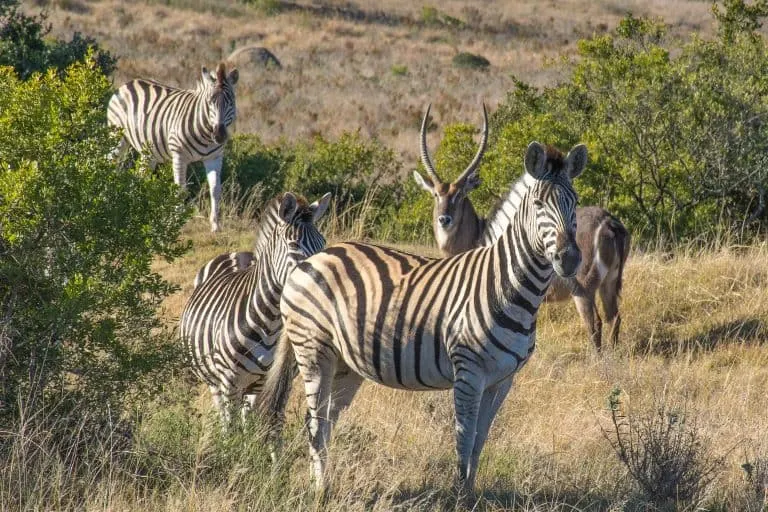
277,387
622,239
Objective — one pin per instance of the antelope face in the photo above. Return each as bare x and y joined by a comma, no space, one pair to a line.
554,203
450,201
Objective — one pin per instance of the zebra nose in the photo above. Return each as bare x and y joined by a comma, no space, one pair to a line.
220,133
444,220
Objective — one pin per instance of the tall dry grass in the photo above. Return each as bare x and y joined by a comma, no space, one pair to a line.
694,332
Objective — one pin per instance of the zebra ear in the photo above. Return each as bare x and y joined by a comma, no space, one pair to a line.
320,206
207,76
233,76
536,160
576,160
423,182
288,207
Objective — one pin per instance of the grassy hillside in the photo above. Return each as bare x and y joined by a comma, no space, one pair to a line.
361,65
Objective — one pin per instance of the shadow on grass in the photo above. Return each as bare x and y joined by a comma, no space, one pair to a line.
742,331
495,498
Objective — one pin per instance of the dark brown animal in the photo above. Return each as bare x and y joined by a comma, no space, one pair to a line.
602,238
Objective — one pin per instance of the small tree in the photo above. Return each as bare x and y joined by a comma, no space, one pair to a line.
78,298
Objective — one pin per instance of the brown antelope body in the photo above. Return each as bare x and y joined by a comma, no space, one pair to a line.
602,238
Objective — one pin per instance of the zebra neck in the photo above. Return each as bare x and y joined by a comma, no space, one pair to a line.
264,301
500,217
525,273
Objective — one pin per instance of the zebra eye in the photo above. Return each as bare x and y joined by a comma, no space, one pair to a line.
293,246
538,204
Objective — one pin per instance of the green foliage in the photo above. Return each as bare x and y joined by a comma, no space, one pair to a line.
433,17
266,7
470,61
78,297
399,70
24,46
352,168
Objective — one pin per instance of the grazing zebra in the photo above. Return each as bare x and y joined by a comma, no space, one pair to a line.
180,125
231,321
602,238
356,311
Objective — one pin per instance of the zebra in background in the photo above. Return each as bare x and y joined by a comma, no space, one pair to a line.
230,323
356,311
180,125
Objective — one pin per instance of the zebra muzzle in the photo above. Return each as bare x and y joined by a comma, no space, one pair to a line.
220,133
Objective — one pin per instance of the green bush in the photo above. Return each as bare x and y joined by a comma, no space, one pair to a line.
25,47
352,168
78,298
676,131
470,61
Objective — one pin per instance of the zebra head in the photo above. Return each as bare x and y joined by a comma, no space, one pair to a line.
295,236
219,88
553,200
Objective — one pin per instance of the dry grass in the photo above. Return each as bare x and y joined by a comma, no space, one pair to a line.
345,75
694,332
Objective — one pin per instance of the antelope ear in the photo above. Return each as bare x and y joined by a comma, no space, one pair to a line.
287,207
472,181
320,206
576,160
233,76
423,182
536,160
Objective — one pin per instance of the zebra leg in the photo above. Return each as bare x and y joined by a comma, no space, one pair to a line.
492,399
213,170
467,395
318,385
179,171
223,405
346,384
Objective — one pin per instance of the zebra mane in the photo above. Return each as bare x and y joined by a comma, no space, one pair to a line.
502,211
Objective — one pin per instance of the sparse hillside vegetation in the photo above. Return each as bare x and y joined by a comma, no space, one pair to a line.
97,410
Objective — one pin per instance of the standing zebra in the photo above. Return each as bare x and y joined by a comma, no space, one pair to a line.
230,323
603,240
356,311
181,125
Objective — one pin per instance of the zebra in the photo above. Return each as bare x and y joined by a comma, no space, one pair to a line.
357,311
180,125
230,323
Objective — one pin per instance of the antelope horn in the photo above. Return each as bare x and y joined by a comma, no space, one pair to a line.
479,155
425,152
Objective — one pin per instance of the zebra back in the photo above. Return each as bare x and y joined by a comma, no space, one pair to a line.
191,123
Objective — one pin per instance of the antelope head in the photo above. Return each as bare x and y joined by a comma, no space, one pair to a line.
456,224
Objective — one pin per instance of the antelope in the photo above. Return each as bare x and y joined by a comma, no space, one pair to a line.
602,238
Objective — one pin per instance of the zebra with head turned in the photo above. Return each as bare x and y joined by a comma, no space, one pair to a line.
180,125
230,323
356,311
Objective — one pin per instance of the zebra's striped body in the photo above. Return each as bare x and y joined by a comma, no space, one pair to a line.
467,322
231,321
179,125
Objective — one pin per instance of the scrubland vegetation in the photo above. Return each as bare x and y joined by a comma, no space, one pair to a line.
97,411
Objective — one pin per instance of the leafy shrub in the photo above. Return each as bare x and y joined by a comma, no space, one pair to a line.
663,451
470,61
352,168
77,294
399,70
24,46
675,132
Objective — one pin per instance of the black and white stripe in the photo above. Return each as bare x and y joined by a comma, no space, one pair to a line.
356,311
231,322
180,125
